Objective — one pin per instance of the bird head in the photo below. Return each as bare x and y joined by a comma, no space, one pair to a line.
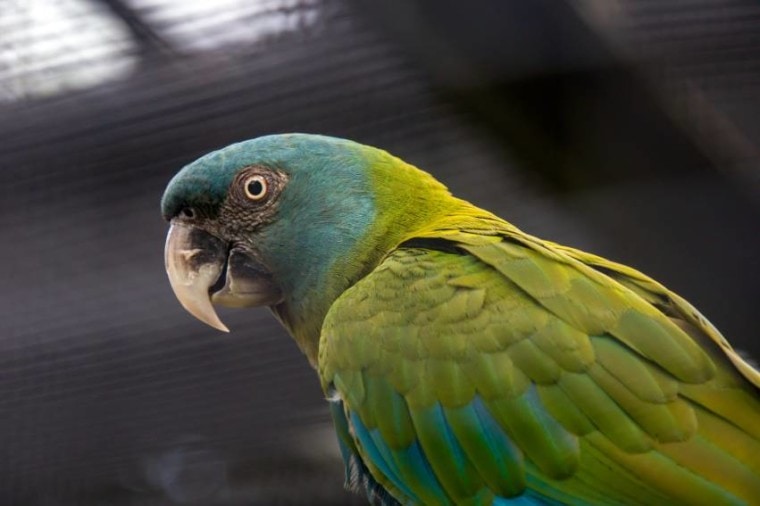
287,221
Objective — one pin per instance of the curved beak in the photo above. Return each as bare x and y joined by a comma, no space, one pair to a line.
194,261
203,269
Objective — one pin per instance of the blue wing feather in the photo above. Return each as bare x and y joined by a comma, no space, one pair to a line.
357,475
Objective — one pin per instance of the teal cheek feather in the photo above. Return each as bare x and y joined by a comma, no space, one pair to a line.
312,237
303,262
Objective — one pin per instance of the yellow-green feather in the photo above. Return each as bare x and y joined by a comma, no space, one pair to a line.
603,385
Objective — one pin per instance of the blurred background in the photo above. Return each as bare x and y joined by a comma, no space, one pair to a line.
629,128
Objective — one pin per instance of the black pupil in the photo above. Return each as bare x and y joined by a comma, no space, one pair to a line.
188,212
255,188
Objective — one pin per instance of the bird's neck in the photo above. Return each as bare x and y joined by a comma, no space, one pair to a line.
304,309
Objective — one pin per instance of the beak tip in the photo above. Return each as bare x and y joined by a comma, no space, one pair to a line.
205,313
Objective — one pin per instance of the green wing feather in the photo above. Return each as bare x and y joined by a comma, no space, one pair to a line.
479,364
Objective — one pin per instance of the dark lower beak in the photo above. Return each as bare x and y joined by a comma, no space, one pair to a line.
203,269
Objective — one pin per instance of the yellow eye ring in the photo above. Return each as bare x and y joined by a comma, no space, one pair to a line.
255,187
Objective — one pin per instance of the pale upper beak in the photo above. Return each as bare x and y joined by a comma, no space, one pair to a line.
195,263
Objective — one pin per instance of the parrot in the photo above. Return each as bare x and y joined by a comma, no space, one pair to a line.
463,360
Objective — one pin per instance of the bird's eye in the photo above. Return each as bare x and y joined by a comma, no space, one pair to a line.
256,187
187,212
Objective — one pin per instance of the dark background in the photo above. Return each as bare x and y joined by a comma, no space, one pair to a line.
629,128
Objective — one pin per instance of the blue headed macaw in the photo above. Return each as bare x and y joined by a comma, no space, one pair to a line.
465,361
